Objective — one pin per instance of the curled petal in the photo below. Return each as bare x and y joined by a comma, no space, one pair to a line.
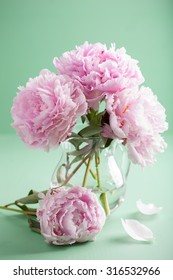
136,230
147,209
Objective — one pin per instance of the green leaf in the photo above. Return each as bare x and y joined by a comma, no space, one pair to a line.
97,120
73,134
105,118
35,229
82,151
34,223
32,209
76,142
92,113
76,159
23,207
108,142
31,192
90,131
83,118
95,117
30,199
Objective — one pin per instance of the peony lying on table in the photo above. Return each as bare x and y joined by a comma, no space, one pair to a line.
45,113
70,215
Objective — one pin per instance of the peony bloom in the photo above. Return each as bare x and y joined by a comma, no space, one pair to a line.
136,116
45,111
70,215
100,70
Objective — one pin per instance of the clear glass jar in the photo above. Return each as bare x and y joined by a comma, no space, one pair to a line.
86,162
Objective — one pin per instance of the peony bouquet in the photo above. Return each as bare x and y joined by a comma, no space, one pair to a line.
103,89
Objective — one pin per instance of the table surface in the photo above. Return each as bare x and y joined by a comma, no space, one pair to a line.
22,169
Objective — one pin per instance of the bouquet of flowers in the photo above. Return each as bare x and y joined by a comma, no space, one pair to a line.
102,87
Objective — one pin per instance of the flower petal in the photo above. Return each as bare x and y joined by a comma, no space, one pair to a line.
137,230
147,209
115,172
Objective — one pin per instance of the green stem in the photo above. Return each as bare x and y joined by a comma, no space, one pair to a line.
77,167
18,211
103,196
92,173
86,172
97,161
9,204
105,203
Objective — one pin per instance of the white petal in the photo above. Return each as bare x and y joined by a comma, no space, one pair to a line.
147,209
115,172
137,230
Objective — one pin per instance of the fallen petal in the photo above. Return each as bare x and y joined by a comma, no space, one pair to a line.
147,209
137,230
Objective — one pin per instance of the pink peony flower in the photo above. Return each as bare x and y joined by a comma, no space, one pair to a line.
70,215
100,70
138,118
46,110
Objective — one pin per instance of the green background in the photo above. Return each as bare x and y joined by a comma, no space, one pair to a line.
32,33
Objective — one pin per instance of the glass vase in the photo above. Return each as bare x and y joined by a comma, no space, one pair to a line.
88,162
